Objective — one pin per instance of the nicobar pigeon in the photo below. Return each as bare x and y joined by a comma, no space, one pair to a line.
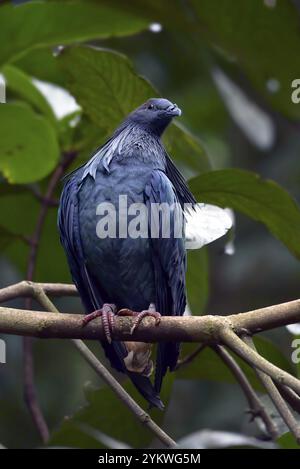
118,275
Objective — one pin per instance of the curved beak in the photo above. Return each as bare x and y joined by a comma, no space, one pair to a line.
174,110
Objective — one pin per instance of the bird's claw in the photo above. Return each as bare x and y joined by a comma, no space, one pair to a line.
151,312
107,314
143,314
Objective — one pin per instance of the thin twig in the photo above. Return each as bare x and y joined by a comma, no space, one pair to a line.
257,408
138,412
189,358
30,394
238,346
289,396
276,397
41,198
26,289
104,374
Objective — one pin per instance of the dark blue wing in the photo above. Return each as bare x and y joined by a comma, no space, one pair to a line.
68,225
87,286
169,262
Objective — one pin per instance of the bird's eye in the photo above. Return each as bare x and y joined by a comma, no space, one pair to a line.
151,106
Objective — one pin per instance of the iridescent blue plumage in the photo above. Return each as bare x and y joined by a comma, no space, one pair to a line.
131,273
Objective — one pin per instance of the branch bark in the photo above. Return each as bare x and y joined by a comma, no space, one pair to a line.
206,329
256,407
276,397
255,360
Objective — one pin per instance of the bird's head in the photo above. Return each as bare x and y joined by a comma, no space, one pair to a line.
155,115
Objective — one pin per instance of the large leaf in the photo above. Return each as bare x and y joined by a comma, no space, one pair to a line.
105,412
197,281
28,145
263,200
208,366
22,84
108,88
42,64
38,24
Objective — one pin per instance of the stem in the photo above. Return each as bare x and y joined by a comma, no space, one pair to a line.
30,393
104,374
238,346
127,400
189,358
290,396
257,409
276,397
27,289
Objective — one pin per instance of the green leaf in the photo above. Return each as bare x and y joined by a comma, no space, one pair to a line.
261,199
107,88
208,366
288,441
22,84
108,414
40,24
197,281
104,83
186,150
156,10
41,64
28,145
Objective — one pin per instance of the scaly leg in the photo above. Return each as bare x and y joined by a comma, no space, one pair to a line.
107,313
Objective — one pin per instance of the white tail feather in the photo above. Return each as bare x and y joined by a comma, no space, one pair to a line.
205,224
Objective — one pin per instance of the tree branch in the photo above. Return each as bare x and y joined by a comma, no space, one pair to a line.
255,360
289,396
257,408
27,289
276,397
267,318
207,330
39,294
139,413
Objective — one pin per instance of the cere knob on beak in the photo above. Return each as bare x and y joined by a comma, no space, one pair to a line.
174,110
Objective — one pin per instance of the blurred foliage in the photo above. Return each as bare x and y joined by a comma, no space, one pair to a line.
209,367
100,51
115,419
